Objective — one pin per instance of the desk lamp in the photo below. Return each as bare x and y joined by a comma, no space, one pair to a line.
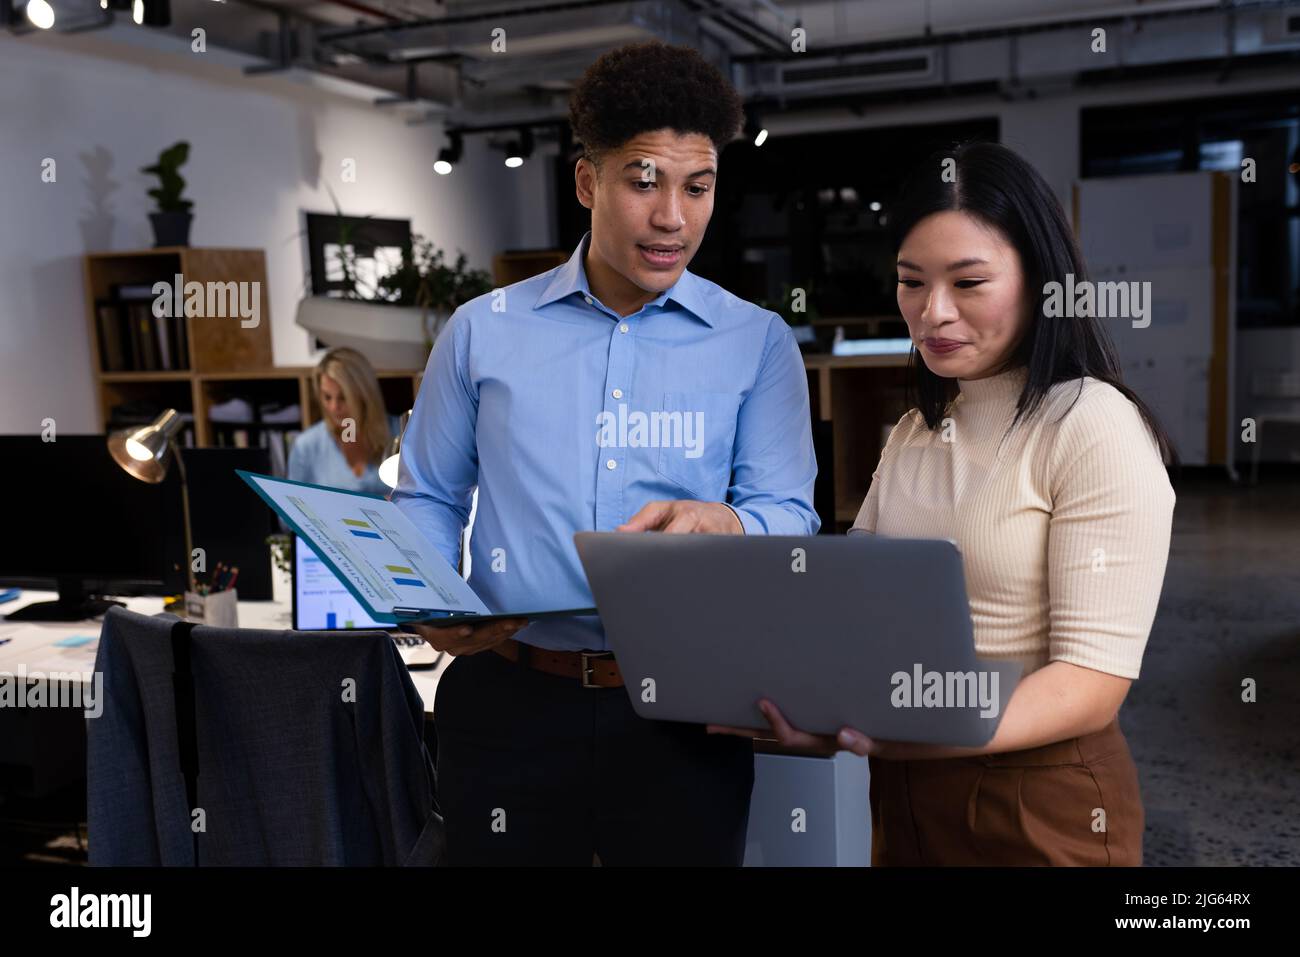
146,453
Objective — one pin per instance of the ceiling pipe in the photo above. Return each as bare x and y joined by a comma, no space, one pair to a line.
364,8
1045,24
457,19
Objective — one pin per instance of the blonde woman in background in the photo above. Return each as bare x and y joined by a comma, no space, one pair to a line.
344,449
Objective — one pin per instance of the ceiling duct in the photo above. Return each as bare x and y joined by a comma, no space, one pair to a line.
849,72
1044,53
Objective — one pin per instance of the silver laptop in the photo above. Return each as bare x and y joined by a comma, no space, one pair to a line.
859,630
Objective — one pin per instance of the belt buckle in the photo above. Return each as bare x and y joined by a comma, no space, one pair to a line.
587,669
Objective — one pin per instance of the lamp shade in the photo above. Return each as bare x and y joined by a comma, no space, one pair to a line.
388,467
145,452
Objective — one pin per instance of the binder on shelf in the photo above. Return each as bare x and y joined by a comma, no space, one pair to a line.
164,343
147,326
114,341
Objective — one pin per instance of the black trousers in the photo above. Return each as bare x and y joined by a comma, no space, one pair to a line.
536,769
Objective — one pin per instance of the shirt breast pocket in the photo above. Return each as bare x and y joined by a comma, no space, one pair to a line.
697,432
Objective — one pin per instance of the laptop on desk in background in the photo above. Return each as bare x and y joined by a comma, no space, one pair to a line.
323,603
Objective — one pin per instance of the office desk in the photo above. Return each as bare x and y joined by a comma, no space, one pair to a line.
252,614
805,811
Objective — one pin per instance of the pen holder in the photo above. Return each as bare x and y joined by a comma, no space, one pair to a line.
215,608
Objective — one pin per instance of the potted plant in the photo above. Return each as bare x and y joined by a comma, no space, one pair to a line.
801,320
424,279
281,568
394,321
171,223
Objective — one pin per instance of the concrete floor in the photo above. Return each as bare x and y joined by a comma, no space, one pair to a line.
1221,778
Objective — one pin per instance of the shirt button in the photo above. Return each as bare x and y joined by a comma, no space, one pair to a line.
622,327
617,393
611,464
588,298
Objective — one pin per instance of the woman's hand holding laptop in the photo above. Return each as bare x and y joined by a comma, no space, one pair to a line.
848,739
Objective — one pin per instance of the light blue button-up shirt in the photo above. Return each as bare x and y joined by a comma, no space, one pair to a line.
569,418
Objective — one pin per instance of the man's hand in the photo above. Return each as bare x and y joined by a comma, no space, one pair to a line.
458,639
685,516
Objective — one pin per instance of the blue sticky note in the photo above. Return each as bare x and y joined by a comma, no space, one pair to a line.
75,641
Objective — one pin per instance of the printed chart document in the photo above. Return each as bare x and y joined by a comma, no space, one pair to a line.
379,555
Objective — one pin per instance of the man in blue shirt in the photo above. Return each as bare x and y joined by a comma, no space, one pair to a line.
617,392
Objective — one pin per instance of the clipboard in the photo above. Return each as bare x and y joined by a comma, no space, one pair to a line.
381,557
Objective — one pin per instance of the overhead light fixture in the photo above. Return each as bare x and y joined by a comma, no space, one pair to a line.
449,155
40,14
875,206
519,150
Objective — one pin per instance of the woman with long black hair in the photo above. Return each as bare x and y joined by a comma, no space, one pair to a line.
1026,449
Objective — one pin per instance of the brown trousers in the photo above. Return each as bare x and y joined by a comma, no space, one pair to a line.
1071,802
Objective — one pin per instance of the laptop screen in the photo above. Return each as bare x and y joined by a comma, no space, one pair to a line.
320,601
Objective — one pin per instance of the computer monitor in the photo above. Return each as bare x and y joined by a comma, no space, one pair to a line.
229,521
75,521
320,601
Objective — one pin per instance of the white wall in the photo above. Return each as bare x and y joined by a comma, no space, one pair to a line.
262,151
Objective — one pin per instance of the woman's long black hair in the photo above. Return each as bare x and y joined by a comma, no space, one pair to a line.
997,187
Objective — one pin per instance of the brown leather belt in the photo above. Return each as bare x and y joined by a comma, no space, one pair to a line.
595,669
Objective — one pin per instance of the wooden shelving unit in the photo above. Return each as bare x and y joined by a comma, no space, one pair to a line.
858,395
516,265
223,357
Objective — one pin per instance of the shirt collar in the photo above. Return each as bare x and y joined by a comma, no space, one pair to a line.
572,277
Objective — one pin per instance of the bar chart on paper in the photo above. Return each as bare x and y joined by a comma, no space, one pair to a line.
324,602
366,542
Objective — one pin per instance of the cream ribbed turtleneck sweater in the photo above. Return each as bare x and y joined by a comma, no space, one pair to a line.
1063,529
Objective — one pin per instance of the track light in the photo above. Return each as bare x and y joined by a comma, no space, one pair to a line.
449,155
40,14
519,150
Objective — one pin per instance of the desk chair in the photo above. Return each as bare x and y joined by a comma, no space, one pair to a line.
221,746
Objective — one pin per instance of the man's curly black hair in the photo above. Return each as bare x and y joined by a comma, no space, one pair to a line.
652,86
